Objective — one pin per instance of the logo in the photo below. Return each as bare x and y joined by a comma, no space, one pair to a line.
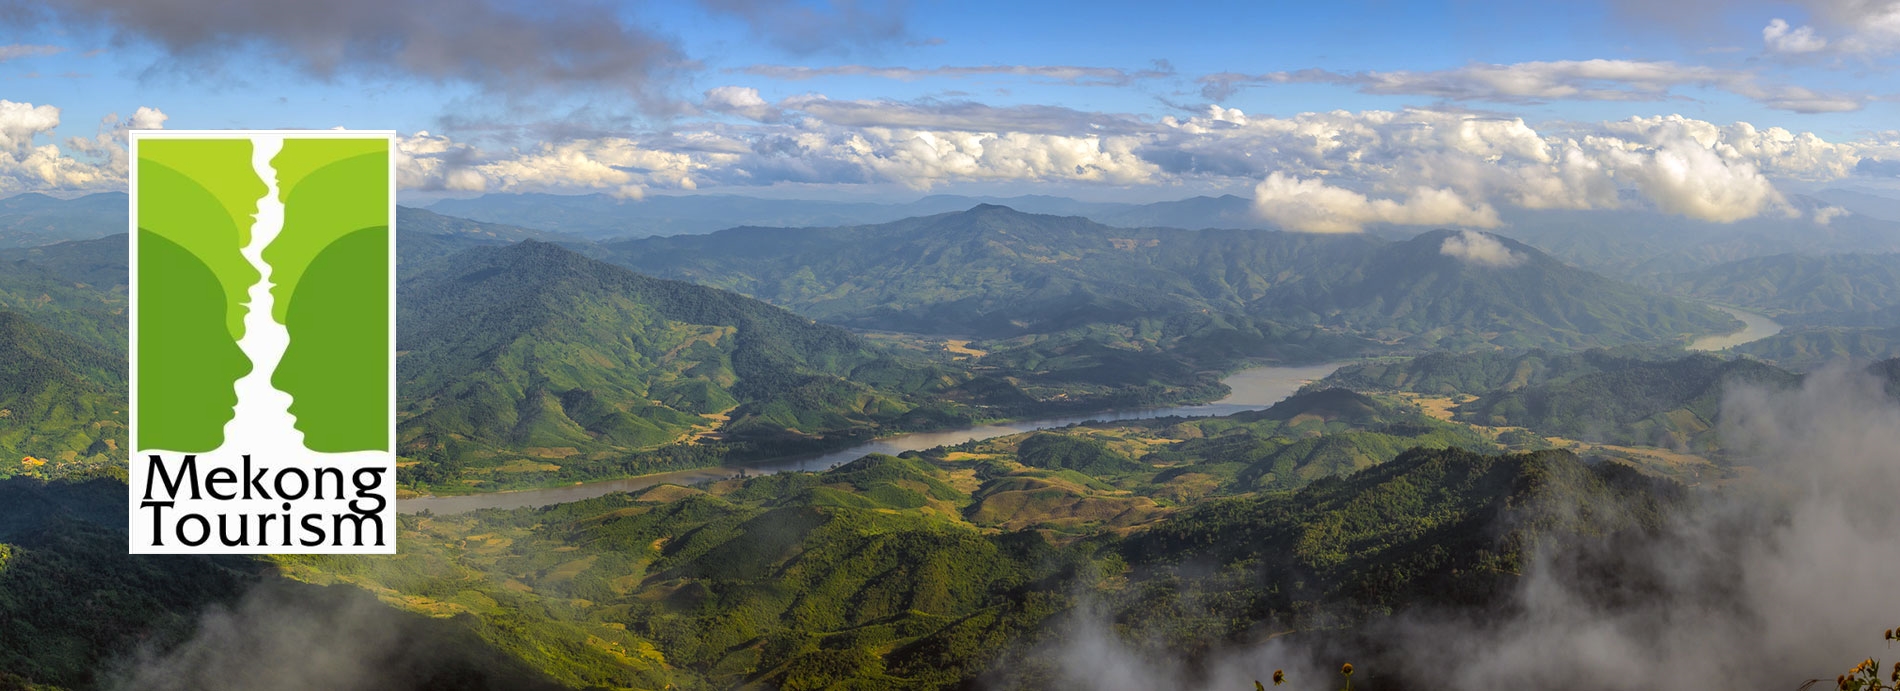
263,342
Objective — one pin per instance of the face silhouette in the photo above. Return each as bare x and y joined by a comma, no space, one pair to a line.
189,362
195,205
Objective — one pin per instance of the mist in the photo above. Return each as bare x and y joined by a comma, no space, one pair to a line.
288,636
1788,573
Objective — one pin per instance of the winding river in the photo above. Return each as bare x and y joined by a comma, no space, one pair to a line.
1755,327
1253,389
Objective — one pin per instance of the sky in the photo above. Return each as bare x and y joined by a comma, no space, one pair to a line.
1331,115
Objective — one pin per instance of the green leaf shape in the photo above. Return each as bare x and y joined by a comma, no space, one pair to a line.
188,366
330,188
201,195
336,369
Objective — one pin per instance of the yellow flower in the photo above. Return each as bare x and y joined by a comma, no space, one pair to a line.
1346,669
1279,676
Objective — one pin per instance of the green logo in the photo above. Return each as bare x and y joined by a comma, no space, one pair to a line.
209,283
263,349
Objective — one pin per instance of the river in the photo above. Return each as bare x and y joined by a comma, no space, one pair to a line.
1755,327
1253,389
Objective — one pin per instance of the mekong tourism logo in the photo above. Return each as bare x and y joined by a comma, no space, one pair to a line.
262,342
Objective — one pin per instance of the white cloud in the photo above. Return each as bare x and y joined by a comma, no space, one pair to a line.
1826,214
1558,80
1778,37
1312,206
1866,28
1324,172
1479,249
27,164
743,101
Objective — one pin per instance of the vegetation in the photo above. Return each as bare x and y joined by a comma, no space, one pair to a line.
1834,285
76,288
1597,396
532,349
997,273
1808,348
32,219
932,570
62,403
77,612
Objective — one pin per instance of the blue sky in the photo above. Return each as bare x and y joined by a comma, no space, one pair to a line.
894,99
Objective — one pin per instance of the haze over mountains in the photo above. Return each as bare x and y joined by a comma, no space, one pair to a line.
996,272
537,356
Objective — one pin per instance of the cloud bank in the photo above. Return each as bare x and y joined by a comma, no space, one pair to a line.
1335,171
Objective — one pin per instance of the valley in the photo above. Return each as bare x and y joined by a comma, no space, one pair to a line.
940,452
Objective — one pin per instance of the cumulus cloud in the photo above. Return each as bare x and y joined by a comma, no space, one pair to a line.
1778,37
489,43
1312,206
743,101
1322,172
1864,28
30,162
1541,81
1479,249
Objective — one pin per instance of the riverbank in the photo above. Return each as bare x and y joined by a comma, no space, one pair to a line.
1253,388
1754,328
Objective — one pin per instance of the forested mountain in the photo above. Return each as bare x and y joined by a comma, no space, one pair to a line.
1812,347
426,222
62,402
996,272
31,219
1808,285
882,573
532,346
1635,244
1595,395
76,288
80,613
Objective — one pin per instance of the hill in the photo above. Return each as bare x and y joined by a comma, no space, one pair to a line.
532,346
1635,245
32,219
81,613
893,572
62,402
1809,348
995,272
75,287
1823,286
1642,399
1479,288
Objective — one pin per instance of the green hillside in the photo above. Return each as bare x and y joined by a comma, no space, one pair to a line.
32,219
1595,396
1812,347
532,347
1791,284
77,612
933,573
62,402
76,288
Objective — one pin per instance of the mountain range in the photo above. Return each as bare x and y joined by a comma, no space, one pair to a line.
997,272
532,346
